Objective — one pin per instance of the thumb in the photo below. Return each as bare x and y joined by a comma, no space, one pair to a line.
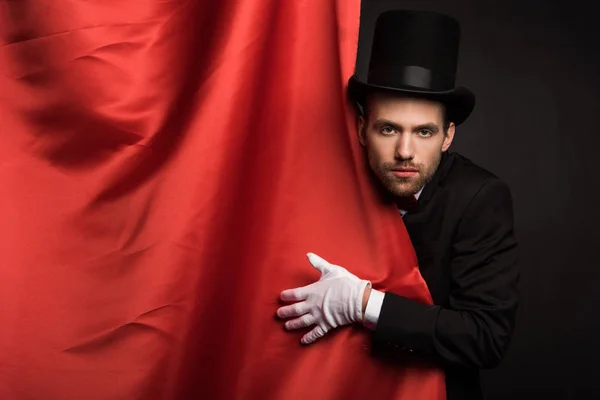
319,263
317,332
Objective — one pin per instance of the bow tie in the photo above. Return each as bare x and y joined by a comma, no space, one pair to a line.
407,203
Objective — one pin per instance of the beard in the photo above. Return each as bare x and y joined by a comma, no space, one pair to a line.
405,186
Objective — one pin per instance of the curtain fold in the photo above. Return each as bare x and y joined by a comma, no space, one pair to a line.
164,168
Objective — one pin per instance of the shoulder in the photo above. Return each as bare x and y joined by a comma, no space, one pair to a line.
471,186
469,178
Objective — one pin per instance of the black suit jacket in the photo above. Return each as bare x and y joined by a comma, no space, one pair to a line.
462,232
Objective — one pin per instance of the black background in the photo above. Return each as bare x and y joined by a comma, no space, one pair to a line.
534,67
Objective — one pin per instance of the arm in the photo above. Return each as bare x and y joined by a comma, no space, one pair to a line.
475,330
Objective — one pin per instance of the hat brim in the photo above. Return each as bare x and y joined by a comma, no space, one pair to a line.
459,102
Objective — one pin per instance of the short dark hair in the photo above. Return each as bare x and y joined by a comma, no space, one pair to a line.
363,110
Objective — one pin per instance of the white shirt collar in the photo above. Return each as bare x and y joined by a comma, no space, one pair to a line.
402,212
419,193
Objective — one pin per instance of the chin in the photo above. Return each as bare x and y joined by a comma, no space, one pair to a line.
398,187
402,191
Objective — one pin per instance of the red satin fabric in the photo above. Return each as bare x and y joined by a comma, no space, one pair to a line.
164,168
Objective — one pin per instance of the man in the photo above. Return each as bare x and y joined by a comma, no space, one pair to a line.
459,216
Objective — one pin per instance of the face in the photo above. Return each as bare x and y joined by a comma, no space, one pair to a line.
404,139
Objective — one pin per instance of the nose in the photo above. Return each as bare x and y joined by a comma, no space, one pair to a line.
405,149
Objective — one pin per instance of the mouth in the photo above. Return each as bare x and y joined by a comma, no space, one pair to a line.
405,172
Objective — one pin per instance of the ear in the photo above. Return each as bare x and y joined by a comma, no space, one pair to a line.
449,137
362,131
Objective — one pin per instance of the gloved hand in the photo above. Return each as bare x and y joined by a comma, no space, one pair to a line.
332,301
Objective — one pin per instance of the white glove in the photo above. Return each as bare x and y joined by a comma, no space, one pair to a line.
332,301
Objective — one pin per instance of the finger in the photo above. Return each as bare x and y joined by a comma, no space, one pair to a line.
319,263
293,310
297,294
302,322
313,335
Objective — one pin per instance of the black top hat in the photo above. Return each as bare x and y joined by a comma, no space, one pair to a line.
415,53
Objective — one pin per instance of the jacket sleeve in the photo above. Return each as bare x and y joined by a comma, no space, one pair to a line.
474,330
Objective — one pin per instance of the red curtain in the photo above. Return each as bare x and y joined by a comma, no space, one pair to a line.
164,168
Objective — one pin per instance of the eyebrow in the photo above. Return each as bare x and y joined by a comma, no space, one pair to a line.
434,128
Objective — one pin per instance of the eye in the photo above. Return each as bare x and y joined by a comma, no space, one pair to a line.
387,130
425,133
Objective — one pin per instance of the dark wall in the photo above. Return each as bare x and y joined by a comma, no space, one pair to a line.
535,68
